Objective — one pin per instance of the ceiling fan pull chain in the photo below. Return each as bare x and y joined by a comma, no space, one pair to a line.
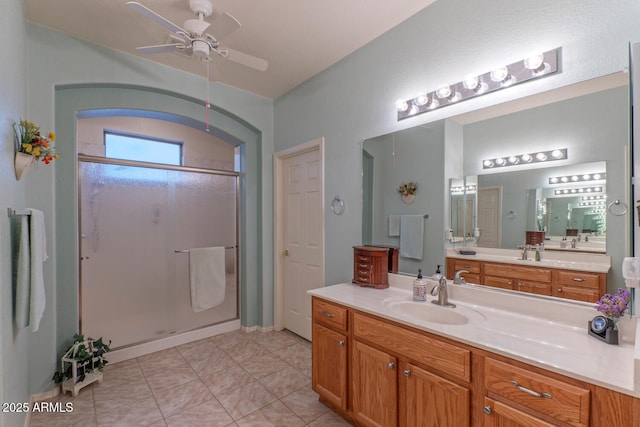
207,105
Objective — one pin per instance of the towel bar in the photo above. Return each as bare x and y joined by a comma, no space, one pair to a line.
186,251
12,212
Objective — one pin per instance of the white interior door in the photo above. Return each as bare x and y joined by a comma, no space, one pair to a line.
489,216
303,240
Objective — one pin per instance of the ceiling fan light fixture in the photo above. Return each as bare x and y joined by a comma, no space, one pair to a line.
200,49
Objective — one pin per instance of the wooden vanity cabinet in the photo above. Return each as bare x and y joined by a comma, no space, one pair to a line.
520,395
329,367
582,286
474,269
570,284
398,376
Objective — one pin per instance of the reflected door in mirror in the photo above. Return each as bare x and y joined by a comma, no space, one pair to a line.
489,217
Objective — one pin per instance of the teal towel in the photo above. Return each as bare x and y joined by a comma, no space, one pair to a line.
411,236
23,274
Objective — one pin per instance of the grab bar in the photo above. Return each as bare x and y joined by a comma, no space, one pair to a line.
186,251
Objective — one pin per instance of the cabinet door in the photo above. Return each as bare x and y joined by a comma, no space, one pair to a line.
329,365
533,287
498,414
433,401
374,385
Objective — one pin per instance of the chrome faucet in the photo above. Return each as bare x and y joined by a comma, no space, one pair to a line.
573,243
443,296
525,251
458,279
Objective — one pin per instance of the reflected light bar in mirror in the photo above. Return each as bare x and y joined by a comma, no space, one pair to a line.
533,67
525,159
577,178
577,190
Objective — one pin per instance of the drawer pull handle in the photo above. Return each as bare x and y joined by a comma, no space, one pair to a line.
487,409
406,372
531,392
577,279
329,315
341,343
391,365
363,266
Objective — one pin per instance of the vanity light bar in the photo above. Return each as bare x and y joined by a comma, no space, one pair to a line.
592,203
577,178
533,67
580,190
469,189
589,198
525,159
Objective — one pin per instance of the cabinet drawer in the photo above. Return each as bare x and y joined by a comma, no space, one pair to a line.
463,264
535,274
533,287
329,314
556,399
445,357
578,279
499,282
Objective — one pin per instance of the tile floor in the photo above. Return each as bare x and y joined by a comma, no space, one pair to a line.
235,379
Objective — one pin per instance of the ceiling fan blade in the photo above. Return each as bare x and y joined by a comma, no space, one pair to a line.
161,48
158,19
224,25
245,59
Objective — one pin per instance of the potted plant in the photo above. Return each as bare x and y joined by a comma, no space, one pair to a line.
82,363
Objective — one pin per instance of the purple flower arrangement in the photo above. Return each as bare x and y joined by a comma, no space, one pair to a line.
614,306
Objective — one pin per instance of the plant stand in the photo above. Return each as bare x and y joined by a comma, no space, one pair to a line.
88,367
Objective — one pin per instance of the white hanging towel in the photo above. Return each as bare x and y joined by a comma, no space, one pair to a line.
206,277
394,225
411,236
32,253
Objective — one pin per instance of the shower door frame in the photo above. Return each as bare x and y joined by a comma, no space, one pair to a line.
132,163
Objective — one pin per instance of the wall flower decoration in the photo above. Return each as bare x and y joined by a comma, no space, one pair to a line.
32,146
408,191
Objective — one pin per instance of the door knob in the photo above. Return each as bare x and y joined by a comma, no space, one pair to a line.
285,252
391,365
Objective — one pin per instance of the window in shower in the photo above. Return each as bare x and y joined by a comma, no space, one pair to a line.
142,149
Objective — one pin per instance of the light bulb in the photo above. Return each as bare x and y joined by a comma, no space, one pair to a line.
514,160
557,154
470,82
596,176
413,110
500,161
421,100
487,163
443,91
575,178
534,62
541,157
500,74
554,180
586,177
526,158
402,105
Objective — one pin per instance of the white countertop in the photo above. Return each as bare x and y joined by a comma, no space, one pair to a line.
542,331
595,263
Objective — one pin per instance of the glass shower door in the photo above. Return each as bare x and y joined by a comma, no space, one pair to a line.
135,225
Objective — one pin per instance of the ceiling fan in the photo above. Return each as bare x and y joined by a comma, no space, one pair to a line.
191,39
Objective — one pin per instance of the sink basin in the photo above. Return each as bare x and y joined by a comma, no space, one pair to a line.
433,313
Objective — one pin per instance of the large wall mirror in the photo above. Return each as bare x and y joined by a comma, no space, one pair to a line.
590,119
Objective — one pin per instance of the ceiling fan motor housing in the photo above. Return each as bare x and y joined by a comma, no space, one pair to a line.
200,49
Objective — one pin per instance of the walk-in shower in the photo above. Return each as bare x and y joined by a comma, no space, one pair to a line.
137,222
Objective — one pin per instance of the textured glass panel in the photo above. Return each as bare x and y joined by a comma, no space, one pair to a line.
205,208
141,149
134,286
125,254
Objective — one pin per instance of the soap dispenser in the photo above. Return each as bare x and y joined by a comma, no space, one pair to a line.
419,288
438,274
